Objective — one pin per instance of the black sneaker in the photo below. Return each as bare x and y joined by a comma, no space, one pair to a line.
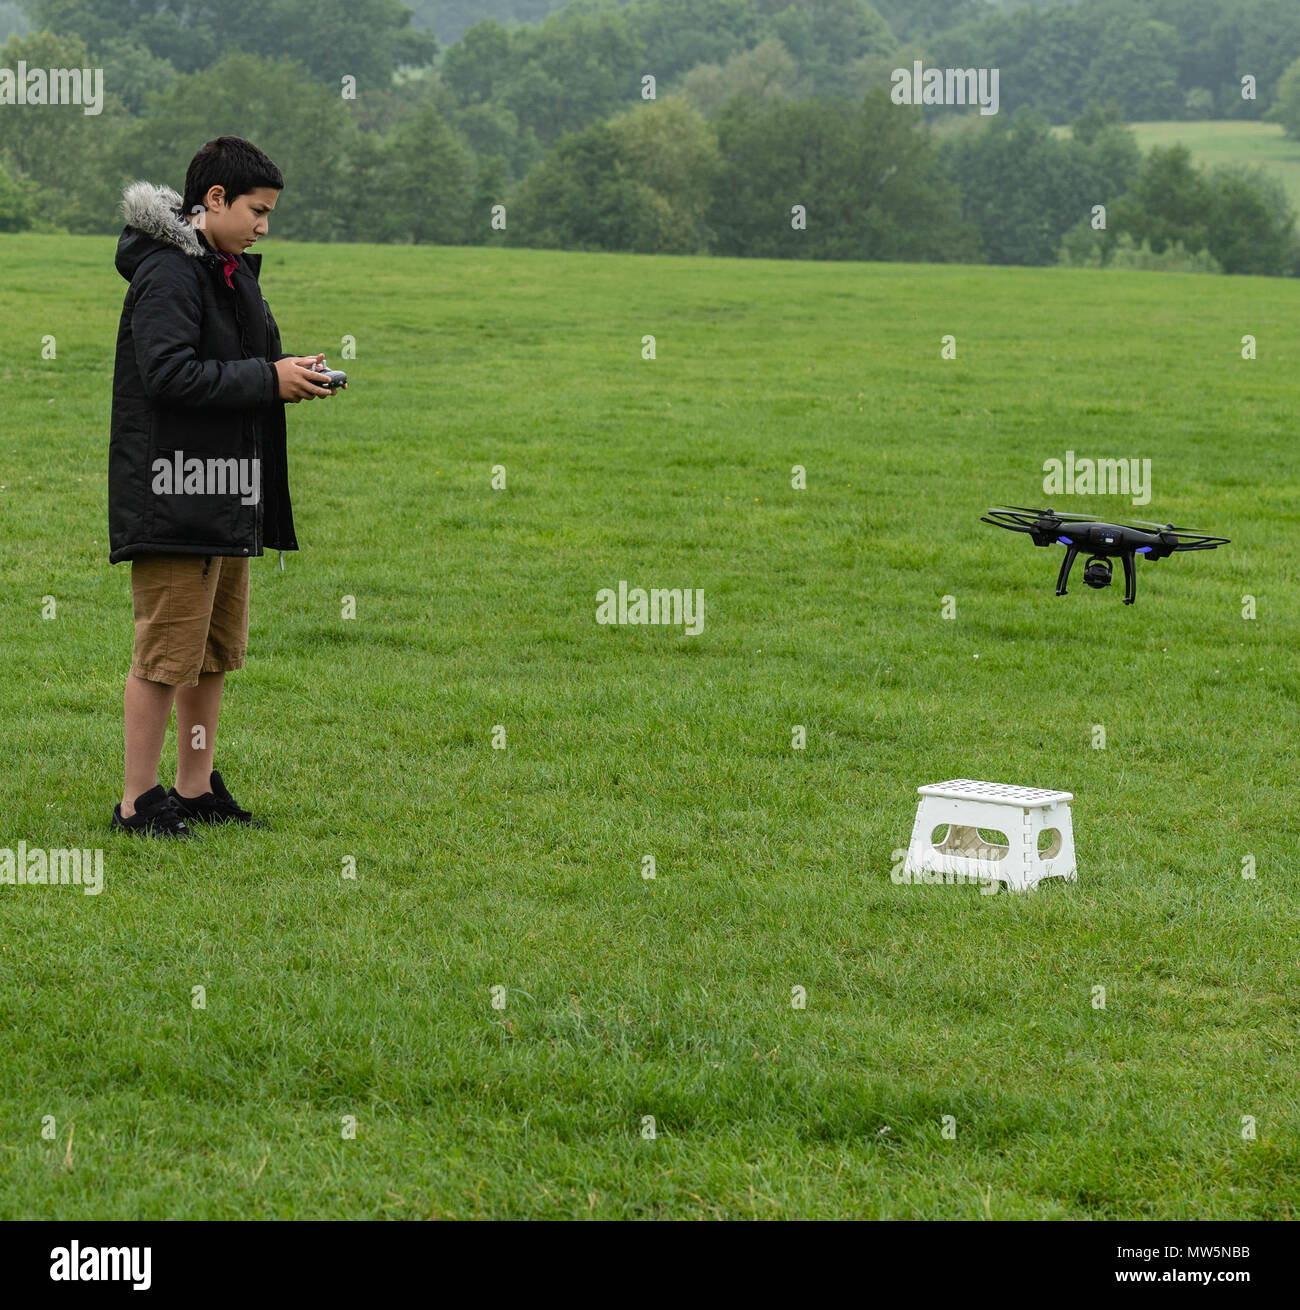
155,815
215,806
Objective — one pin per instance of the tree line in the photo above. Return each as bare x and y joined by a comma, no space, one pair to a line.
735,127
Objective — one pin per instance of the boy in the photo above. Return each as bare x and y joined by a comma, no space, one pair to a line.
197,479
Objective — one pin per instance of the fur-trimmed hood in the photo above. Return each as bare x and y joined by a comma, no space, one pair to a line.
152,215
156,211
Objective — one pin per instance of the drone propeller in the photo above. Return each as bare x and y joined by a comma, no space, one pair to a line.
1187,538
1017,514
1168,527
1015,520
1197,540
1064,515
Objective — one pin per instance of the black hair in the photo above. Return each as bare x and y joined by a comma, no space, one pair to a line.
230,162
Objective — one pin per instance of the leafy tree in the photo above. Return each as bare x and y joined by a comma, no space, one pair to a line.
422,185
767,71
17,201
1023,187
670,147
1240,215
580,198
826,37
480,64
1286,101
1134,63
1168,202
491,129
876,72
60,149
1117,159
913,19
1269,37
133,72
1205,57
577,67
1111,146
1042,57
367,39
1251,222
489,190
865,172
676,35
1094,119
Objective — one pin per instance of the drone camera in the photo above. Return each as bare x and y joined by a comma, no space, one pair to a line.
1096,572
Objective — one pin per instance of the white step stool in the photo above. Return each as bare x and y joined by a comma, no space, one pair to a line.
964,856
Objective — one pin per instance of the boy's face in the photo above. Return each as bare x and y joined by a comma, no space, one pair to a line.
233,228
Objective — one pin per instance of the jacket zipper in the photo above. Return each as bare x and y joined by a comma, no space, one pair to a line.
257,447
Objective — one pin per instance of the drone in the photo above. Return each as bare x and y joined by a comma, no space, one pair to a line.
1103,541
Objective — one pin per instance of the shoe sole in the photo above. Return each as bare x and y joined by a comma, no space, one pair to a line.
164,834
220,823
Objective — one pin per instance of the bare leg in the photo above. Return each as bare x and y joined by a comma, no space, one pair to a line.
148,706
197,707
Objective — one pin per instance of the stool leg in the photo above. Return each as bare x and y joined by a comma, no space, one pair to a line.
916,849
1024,848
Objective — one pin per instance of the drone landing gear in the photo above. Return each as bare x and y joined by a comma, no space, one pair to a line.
1130,578
1097,573
1066,565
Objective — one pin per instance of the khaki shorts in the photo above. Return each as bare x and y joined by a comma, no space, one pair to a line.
187,623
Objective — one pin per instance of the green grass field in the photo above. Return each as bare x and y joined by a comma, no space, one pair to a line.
522,868
1222,141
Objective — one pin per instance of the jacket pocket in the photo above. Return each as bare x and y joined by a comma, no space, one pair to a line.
192,496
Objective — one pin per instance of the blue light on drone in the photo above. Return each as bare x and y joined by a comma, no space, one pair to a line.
1065,541
1142,550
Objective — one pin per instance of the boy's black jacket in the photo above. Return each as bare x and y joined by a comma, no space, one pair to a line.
194,373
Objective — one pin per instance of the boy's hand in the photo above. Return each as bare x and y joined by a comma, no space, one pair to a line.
294,374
